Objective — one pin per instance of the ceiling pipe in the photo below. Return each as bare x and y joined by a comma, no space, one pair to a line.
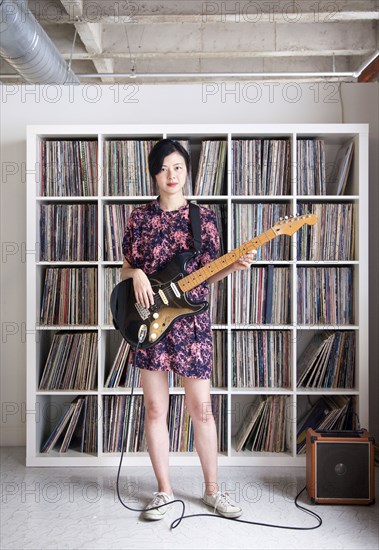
28,49
212,75
207,75
330,74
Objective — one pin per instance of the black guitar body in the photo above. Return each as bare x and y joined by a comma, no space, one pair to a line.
149,326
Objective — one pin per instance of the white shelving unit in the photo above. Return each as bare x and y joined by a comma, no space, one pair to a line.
45,407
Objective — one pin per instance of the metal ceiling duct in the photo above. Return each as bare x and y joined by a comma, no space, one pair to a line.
27,48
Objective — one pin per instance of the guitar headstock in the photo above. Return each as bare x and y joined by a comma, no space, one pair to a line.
290,224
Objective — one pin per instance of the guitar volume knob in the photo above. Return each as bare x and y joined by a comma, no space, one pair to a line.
155,315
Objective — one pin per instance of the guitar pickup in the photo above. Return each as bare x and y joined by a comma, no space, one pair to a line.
175,290
163,297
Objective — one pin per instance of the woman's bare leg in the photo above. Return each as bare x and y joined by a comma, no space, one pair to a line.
156,399
198,402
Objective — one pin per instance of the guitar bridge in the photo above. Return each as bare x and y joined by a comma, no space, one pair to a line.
143,312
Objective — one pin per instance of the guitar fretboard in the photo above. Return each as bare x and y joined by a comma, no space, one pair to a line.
197,277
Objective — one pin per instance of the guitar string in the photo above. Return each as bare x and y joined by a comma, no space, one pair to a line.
169,292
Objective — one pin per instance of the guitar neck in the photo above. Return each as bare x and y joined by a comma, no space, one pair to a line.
203,274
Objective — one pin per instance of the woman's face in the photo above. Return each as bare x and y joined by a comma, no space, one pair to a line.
173,175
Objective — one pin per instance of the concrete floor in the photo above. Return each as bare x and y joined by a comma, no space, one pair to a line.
78,508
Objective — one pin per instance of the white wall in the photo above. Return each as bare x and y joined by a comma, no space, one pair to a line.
213,103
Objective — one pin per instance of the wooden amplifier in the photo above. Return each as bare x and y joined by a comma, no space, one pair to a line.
340,467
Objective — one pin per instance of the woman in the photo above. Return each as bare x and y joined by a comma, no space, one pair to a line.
155,234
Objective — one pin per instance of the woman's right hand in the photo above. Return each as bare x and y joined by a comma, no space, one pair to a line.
142,289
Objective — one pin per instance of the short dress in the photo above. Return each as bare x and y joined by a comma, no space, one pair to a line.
153,237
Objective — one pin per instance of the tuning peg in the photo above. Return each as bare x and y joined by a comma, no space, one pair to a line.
280,219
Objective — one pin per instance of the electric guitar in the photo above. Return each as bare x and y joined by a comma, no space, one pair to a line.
147,326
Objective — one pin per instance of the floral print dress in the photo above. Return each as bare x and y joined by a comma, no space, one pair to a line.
153,237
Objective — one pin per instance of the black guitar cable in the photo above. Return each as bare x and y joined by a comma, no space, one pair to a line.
141,337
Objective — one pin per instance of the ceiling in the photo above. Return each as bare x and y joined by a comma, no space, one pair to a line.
190,41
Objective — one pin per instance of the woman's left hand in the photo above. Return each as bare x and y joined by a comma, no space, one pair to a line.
246,260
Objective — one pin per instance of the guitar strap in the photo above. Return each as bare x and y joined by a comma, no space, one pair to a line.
194,213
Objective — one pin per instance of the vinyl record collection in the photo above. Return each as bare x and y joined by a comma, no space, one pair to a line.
115,219
68,232
76,427
261,359
126,167
328,361
324,295
69,296
68,168
332,238
311,174
211,170
255,291
260,167
241,306
264,426
71,363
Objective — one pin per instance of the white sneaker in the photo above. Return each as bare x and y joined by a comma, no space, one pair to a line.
223,504
158,513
